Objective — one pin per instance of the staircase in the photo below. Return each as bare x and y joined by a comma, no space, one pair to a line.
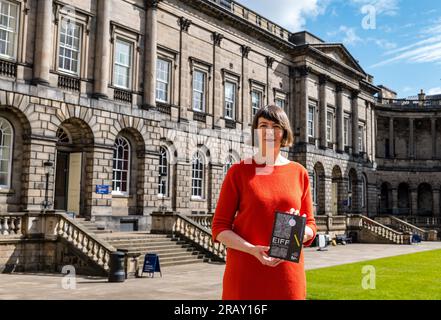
404,226
371,231
92,227
171,250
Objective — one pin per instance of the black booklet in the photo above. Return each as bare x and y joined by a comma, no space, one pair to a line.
287,238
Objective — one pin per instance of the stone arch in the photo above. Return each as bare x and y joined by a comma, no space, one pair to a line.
74,158
403,194
425,200
319,188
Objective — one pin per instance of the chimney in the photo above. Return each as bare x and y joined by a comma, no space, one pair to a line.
421,98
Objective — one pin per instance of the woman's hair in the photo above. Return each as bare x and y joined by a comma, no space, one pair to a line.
277,115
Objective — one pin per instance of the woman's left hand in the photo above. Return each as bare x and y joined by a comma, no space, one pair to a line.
308,231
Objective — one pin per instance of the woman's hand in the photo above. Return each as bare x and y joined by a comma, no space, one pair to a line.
308,231
259,252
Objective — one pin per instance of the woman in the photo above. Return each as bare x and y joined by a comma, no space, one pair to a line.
254,189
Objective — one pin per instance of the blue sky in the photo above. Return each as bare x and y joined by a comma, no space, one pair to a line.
396,41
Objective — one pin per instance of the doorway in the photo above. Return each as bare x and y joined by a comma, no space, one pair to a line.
68,182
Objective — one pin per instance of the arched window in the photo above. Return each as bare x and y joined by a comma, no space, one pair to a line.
6,141
314,186
197,175
228,163
121,166
163,172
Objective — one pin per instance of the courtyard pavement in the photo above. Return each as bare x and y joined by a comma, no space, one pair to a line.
202,281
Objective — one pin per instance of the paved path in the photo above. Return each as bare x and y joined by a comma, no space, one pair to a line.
199,281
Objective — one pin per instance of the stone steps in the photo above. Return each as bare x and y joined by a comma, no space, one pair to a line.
170,251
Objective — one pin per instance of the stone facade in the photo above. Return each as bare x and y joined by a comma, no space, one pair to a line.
73,112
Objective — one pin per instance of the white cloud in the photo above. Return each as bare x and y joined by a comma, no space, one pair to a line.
434,91
291,14
427,50
387,7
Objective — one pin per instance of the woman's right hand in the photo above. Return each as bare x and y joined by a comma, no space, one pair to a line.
259,252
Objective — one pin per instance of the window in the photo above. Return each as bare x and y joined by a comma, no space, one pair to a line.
230,99
311,111
163,172
197,175
122,71
256,100
280,103
314,186
121,166
69,48
6,139
8,29
162,80
346,132
199,79
329,126
360,139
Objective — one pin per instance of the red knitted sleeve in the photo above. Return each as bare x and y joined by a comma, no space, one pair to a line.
307,207
227,204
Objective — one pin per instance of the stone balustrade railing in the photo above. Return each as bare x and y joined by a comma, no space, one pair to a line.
403,226
54,226
202,219
80,238
362,222
199,235
11,224
422,221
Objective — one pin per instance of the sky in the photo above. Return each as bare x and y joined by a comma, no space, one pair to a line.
396,41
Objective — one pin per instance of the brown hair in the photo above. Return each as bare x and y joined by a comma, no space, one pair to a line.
277,115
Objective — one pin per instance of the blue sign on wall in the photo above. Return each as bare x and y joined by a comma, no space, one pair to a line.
102,189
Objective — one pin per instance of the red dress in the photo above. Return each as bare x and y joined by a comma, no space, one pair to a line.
255,192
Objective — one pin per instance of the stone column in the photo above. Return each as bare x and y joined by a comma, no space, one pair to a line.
411,139
303,72
102,49
269,65
245,111
436,202
101,169
40,151
150,51
433,127
217,105
184,72
323,106
340,118
414,201
43,42
394,200
354,107
328,195
391,138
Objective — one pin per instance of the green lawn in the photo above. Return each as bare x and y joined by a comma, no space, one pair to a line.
407,277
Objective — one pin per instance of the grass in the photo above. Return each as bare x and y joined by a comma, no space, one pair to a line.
407,277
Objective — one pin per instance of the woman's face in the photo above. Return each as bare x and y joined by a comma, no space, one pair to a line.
270,134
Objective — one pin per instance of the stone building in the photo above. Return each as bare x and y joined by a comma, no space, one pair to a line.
113,109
